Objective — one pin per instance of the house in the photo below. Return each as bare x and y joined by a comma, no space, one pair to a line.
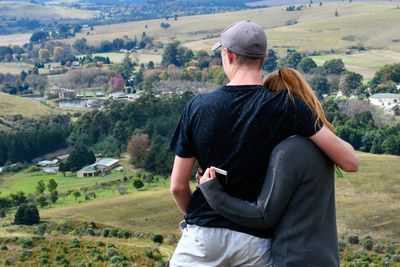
384,99
88,171
61,92
63,158
393,109
47,163
117,95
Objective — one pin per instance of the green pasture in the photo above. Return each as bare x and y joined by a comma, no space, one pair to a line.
16,105
367,203
365,63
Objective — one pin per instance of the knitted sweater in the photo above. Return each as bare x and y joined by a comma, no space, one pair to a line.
297,201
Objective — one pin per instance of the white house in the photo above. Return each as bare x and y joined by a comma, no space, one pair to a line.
117,95
384,99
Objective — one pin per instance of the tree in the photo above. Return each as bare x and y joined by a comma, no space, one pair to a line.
27,215
272,61
350,82
336,13
54,196
307,65
138,183
334,66
126,67
292,60
76,194
18,198
44,55
42,201
81,46
79,158
117,83
58,53
138,149
52,185
320,85
38,37
40,187
63,168
170,55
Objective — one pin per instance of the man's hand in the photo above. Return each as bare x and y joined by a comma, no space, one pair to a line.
209,174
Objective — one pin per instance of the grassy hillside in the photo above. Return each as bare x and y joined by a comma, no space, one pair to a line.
41,12
14,67
16,105
367,203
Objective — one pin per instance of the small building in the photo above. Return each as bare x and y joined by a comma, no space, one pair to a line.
47,163
393,109
384,99
117,95
93,103
88,171
106,164
61,92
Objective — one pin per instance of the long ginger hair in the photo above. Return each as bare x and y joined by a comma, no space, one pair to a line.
292,80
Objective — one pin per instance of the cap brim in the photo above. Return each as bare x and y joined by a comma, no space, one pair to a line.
216,46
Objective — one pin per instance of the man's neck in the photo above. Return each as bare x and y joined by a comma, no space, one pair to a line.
246,76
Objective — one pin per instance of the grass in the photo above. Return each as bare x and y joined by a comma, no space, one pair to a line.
41,12
365,63
16,105
14,67
367,203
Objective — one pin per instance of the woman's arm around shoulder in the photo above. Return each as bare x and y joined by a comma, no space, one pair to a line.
341,152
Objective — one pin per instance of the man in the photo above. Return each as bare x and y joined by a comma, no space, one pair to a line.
234,128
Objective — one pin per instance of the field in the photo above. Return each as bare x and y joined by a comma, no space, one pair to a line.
14,67
41,12
367,202
365,63
14,105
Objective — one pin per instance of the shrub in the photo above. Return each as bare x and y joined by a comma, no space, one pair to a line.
9,261
100,244
106,232
158,238
27,215
353,239
112,251
379,248
396,258
138,183
41,229
25,254
391,249
98,257
26,243
368,244
75,244
114,232
3,247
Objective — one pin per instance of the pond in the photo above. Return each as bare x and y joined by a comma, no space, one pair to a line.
72,104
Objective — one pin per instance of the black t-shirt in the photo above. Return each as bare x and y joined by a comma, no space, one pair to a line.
235,128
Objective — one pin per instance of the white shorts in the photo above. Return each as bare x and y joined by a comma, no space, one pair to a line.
220,247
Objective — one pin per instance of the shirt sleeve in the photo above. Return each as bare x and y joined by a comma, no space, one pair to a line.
302,118
182,143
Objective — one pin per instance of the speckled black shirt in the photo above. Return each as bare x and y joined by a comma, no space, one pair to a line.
235,128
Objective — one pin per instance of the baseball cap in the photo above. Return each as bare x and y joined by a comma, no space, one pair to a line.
244,38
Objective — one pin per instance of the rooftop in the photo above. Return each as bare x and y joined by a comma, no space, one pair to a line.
385,95
107,162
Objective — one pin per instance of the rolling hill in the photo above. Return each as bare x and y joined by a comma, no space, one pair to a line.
16,105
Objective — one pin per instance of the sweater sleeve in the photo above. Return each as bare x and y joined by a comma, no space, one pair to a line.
285,170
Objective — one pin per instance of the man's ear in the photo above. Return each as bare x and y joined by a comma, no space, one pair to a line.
230,55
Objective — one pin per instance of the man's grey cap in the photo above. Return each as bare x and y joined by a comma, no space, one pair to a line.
244,38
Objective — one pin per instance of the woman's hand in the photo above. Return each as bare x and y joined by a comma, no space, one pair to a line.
207,176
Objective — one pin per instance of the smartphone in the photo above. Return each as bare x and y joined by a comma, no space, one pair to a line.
222,177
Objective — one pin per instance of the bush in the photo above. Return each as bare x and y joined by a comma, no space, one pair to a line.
158,238
75,244
379,248
391,249
106,232
9,261
396,258
3,247
26,243
353,239
368,244
27,215
138,183
111,252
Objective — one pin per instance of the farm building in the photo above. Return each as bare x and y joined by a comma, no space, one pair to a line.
384,99
103,166
88,171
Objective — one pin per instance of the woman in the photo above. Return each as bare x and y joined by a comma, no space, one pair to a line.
297,198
